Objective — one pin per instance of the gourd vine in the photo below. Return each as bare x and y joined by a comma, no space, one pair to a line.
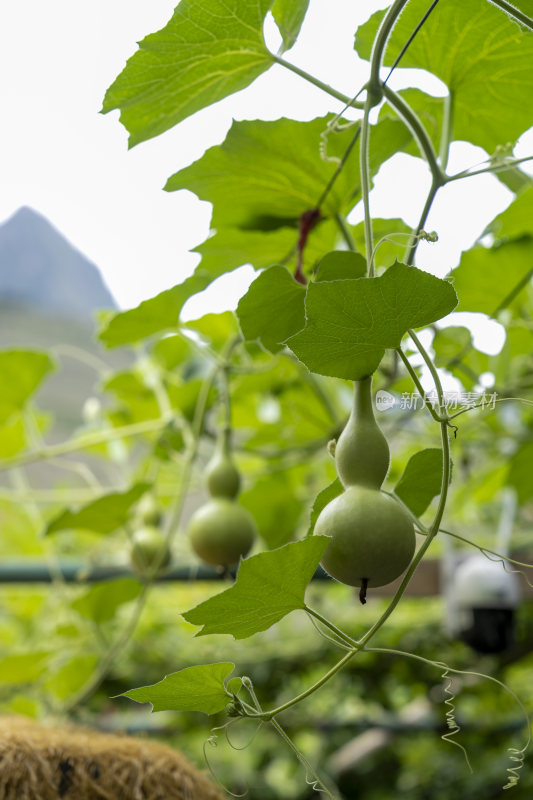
225,470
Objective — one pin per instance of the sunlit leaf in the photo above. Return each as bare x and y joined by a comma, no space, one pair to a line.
350,323
517,219
482,56
289,15
101,516
206,51
200,688
490,278
268,586
520,474
158,314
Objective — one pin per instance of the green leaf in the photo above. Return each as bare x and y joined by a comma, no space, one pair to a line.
158,314
101,516
200,688
341,264
421,480
268,586
350,323
289,15
206,52
21,373
485,276
275,507
23,667
101,601
482,56
516,220
272,171
272,309
232,247
321,500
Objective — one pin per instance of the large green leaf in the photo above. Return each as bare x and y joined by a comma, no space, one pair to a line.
517,219
268,586
101,516
101,601
233,247
482,56
199,688
289,15
272,171
351,323
272,309
487,277
421,480
159,313
21,373
206,51
341,264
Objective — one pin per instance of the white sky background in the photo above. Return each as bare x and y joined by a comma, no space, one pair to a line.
61,157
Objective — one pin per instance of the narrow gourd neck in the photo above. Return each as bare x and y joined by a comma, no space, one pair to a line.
362,453
362,400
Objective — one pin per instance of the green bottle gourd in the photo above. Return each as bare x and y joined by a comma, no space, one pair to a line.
372,537
221,532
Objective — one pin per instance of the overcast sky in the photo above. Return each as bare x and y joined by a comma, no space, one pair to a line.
70,163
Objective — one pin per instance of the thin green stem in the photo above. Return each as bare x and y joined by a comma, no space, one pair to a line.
484,405
345,232
328,624
380,42
318,83
447,131
269,715
404,110
469,173
84,442
433,370
514,12
410,253
107,661
420,388
364,166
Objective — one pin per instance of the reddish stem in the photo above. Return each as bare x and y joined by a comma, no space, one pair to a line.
307,222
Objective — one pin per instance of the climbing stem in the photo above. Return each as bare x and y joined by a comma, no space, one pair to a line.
514,12
420,134
380,42
364,166
418,385
447,131
333,628
345,232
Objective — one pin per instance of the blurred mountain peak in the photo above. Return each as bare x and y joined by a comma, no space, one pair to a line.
40,269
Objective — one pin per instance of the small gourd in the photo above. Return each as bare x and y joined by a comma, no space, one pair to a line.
150,552
372,537
221,532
